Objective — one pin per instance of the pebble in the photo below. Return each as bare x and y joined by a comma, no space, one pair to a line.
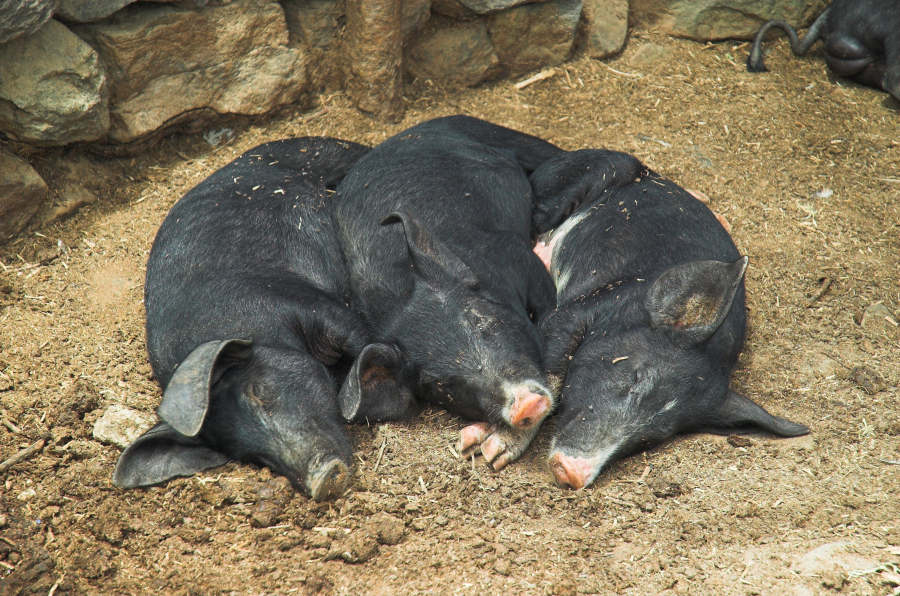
120,426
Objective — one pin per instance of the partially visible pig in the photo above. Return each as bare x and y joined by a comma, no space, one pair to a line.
650,317
862,42
247,326
436,225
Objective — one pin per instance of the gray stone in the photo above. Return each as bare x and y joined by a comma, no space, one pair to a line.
532,36
87,11
73,178
52,88
22,191
453,52
413,16
170,65
453,9
878,317
374,55
723,19
23,17
120,426
490,6
606,27
314,25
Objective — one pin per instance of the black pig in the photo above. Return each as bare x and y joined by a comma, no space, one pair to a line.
436,226
650,317
246,305
862,42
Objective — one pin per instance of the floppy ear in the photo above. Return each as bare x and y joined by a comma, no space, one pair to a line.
432,257
160,454
373,390
737,411
185,400
692,299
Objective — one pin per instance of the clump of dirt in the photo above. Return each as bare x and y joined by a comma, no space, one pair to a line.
804,167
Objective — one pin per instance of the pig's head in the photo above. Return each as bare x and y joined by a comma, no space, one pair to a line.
628,390
279,408
473,353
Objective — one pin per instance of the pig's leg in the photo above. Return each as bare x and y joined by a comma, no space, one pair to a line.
506,444
498,445
471,438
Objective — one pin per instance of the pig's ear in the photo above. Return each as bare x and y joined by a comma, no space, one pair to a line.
738,411
431,256
692,299
186,398
160,454
373,390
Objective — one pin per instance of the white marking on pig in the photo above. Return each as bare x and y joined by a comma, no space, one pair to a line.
562,277
669,405
566,227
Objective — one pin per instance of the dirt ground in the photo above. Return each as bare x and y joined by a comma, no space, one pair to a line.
807,170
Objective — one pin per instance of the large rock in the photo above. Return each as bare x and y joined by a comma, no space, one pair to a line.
374,54
489,6
413,16
52,88
170,64
453,52
22,191
314,25
535,35
606,27
723,19
87,11
23,17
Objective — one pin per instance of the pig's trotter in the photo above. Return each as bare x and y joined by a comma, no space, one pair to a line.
471,438
505,445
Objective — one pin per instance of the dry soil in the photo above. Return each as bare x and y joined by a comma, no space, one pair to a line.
805,167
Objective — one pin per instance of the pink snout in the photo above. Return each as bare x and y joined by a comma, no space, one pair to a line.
571,472
528,409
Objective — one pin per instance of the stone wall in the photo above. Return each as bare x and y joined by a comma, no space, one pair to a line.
116,72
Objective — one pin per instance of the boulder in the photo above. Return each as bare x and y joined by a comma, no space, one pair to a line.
52,88
456,52
706,20
168,64
314,25
23,17
87,11
22,191
532,36
605,26
491,6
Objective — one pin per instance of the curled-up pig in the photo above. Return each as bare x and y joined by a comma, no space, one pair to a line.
650,316
248,329
436,226
861,37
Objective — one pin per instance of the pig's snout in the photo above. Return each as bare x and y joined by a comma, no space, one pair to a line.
327,479
571,472
529,408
